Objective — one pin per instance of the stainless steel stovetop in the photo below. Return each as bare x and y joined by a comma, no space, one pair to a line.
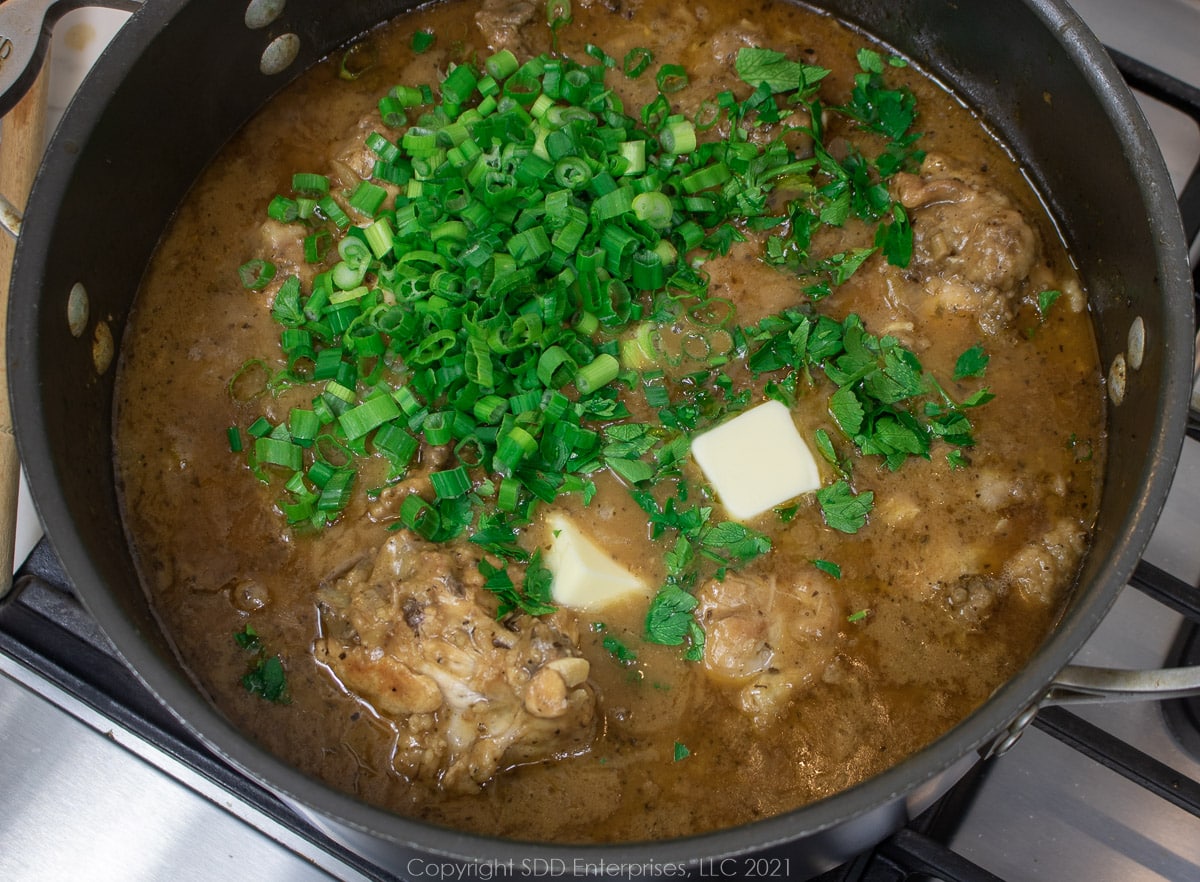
89,796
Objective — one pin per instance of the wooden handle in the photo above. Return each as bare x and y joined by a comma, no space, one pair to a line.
22,142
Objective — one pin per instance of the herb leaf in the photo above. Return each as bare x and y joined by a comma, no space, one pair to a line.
619,650
669,618
843,509
534,598
828,566
1045,300
731,542
267,679
248,639
781,74
971,363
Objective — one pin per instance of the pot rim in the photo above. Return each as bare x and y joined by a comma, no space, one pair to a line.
901,780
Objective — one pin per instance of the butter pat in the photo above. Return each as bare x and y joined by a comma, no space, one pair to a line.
585,576
756,461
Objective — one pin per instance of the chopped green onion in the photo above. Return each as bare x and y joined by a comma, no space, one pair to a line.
490,408
678,136
508,497
634,155
336,492
556,368
648,272
600,372
358,421
711,176
501,65
636,61
357,60
310,184
283,209
380,238
332,211
420,516
572,172
368,198
276,451
671,78
450,483
461,82
256,274
316,246
613,204
438,428
391,111
303,425
533,221
396,444
558,13
512,448
654,208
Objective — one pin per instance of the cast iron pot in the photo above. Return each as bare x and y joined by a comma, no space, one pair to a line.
182,75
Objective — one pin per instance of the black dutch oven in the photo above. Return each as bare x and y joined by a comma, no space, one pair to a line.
182,76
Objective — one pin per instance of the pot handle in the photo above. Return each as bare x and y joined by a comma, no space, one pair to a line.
1080,684
25,27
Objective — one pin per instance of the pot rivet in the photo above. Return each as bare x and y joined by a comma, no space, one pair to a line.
102,347
1137,343
77,310
280,53
1005,741
260,13
1116,379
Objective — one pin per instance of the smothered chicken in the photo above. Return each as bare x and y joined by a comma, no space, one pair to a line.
411,631
608,429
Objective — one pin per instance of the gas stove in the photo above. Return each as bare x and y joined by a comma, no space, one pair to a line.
103,783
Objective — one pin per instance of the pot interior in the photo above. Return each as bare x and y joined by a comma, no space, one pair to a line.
133,141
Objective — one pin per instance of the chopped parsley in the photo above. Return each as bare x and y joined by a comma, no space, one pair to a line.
670,622
533,597
422,41
885,402
1045,300
843,509
890,112
619,650
972,363
248,639
828,566
266,678
787,513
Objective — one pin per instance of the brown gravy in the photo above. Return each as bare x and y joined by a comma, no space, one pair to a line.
961,572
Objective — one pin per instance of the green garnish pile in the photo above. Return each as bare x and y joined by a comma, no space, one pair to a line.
500,283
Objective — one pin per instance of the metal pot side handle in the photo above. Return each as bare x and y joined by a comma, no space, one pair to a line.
1080,684
25,27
